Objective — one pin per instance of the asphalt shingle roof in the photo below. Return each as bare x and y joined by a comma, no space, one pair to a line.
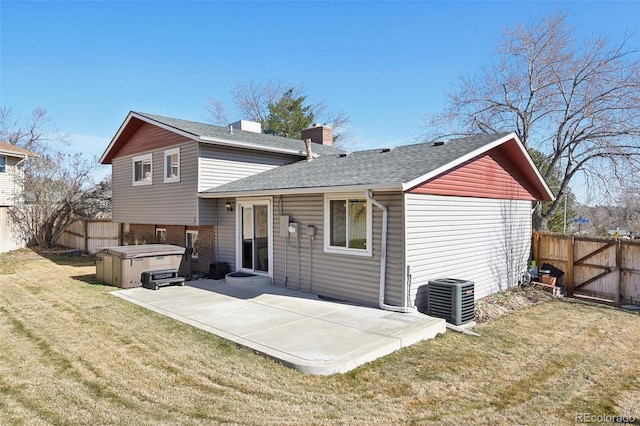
219,132
7,148
376,167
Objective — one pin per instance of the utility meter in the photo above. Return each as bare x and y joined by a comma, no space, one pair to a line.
293,227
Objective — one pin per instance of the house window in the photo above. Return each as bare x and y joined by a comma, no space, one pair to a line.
142,170
3,164
192,241
172,165
347,224
161,236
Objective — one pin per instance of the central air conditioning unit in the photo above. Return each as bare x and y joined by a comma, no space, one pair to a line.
451,299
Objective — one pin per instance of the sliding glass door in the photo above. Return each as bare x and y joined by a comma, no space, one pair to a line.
254,228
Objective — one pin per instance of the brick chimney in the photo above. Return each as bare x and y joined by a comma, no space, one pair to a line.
319,134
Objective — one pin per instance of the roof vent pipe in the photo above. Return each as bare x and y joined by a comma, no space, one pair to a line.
307,145
230,129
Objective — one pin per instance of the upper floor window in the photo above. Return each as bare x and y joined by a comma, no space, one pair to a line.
347,224
3,164
172,165
142,170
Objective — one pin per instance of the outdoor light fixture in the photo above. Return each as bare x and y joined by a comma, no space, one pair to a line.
228,206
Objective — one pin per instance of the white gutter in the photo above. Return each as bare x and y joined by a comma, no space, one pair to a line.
312,190
247,145
383,258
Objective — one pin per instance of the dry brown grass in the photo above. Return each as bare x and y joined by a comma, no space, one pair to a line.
514,299
70,353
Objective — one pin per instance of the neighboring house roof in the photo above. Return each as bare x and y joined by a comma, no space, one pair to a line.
209,133
401,168
15,151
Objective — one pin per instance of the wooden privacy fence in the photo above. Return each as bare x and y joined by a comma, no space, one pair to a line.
600,268
89,235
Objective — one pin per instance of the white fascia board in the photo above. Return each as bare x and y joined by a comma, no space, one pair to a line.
12,154
117,135
534,168
165,127
245,145
417,181
146,120
314,190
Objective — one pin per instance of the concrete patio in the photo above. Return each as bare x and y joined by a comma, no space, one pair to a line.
298,329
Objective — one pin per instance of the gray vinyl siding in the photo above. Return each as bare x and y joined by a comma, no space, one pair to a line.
344,277
220,165
225,237
159,203
8,182
486,241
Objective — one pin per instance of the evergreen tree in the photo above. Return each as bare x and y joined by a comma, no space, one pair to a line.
288,116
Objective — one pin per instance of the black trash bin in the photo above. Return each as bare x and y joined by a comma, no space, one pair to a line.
553,271
185,264
217,270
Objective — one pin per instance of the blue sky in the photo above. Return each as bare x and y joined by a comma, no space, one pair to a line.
386,64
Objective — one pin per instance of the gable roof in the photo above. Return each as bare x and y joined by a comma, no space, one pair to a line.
400,168
15,151
209,133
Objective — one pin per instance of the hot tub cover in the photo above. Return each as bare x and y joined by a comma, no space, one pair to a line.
144,250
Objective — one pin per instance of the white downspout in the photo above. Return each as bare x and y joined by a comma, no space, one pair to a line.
383,258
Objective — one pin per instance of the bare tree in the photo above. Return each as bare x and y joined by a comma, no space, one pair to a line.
511,244
56,188
628,202
32,132
577,103
252,100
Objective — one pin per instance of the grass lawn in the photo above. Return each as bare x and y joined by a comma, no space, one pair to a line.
70,353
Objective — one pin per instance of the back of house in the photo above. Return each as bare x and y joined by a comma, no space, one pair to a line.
371,227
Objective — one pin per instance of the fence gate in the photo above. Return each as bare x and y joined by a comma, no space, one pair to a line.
596,269
606,269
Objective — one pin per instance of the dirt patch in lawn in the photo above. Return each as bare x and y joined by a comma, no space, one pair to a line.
71,353
514,299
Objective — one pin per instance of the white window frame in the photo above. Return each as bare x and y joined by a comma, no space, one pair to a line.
141,158
164,232
3,166
194,238
252,202
167,154
328,248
